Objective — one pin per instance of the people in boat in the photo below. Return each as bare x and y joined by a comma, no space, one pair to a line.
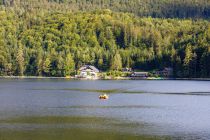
103,96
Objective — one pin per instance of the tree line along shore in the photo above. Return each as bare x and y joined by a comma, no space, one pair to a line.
51,41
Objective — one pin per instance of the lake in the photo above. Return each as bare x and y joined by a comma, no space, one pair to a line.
51,109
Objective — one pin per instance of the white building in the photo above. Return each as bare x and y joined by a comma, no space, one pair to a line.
139,74
88,72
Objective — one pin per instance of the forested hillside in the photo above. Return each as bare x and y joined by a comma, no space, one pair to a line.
153,8
50,39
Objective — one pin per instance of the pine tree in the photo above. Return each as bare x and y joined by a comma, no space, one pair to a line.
116,62
69,65
20,60
39,61
187,60
46,66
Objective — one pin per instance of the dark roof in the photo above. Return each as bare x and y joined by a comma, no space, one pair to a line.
89,67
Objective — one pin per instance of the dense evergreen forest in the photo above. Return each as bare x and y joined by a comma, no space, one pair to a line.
53,38
153,8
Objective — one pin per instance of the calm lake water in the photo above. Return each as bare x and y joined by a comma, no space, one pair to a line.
51,109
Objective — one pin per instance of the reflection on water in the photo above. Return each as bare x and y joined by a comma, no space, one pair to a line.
64,109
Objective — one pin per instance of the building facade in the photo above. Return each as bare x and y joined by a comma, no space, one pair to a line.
88,72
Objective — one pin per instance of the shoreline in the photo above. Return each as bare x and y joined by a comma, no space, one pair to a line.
116,78
32,77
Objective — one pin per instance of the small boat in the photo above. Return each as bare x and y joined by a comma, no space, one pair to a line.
103,97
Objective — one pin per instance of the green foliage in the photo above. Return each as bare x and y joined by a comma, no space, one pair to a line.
46,66
53,42
20,60
116,62
142,8
115,73
69,65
